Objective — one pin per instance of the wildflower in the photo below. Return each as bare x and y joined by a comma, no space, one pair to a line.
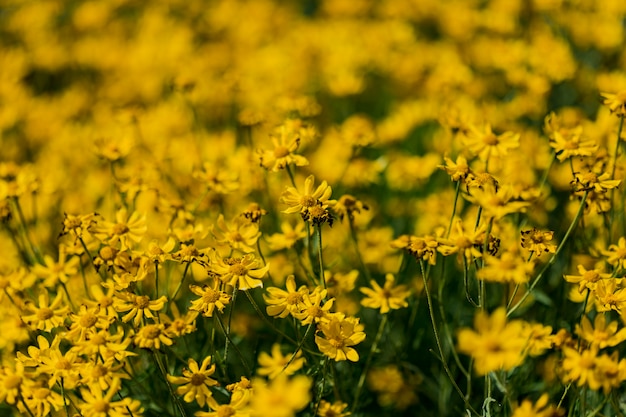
615,102
288,238
137,307
217,179
590,181
102,300
282,397
458,170
616,254
189,253
151,336
580,367
40,400
179,325
86,322
76,225
600,334
281,303
587,279
46,316
610,295
340,283
611,372
253,213
348,205
54,273
196,381
336,409
567,141
393,387
157,253
241,273
467,244
125,230
11,382
421,248
276,364
509,267
210,298
237,407
302,203
539,409
99,403
495,344
240,236
312,309
536,241
358,130
105,344
285,144
389,297
340,334
60,367
540,339
486,144
497,203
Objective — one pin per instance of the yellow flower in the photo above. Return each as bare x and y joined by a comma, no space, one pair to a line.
348,205
282,397
600,334
54,273
336,409
11,382
276,364
76,225
86,322
137,307
288,238
580,367
421,248
610,295
39,399
303,203
286,142
152,336
587,279
196,381
340,334
242,273
281,303
616,102
509,267
210,298
567,141
495,344
217,179
389,297
536,241
125,230
458,170
46,316
312,309
99,403
239,235
539,409
487,144
496,203
616,254
590,181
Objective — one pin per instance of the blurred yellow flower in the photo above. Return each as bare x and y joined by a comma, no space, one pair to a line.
386,298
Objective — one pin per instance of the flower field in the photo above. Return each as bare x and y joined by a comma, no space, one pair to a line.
266,208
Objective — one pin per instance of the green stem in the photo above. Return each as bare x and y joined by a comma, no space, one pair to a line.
163,371
355,242
553,258
456,200
229,340
295,353
230,316
318,229
182,280
67,411
438,341
368,362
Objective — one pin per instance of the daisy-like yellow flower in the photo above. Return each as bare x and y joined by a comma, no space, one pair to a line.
76,225
386,298
347,206
314,308
616,102
466,244
281,397
211,297
157,253
541,408
616,253
286,141
54,273
274,364
98,402
600,334
486,144
39,399
421,248
610,294
590,181
497,203
587,279
216,178
495,344
508,267
238,235
288,238
336,409
151,336
537,242
46,316
86,322
11,381
242,273
196,381
567,141
340,334
580,367
457,170
309,198
137,307
125,230
281,303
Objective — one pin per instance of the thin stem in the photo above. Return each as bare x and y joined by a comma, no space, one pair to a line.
230,316
368,362
30,413
553,258
229,340
67,411
163,371
67,293
617,143
456,200
156,280
24,230
318,229
438,340
182,280
260,313
295,353
355,242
